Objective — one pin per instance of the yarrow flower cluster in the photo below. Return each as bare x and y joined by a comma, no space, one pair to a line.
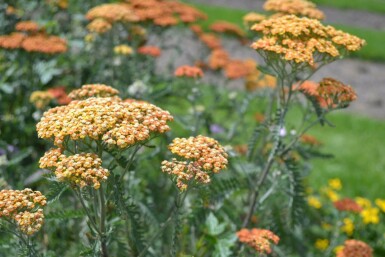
99,26
227,27
40,99
296,7
252,18
348,205
355,248
82,169
259,239
201,155
27,26
112,12
115,122
236,69
24,208
188,71
153,51
93,90
303,40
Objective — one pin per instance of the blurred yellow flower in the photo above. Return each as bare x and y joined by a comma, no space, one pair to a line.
338,249
322,244
335,184
370,215
381,204
363,202
326,226
332,195
89,38
314,202
123,50
348,226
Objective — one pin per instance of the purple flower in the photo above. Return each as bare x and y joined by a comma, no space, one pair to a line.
216,129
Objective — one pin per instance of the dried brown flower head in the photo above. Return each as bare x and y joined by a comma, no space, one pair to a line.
24,208
93,90
355,248
201,155
297,7
188,71
335,93
302,40
259,239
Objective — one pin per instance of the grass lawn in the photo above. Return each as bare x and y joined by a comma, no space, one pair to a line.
372,51
368,5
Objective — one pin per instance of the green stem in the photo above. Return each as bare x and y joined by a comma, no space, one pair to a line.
103,239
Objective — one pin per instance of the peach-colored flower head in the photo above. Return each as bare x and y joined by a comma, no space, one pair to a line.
59,93
153,51
210,40
218,59
227,27
200,156
24,207
27,26
355,248
236,69
112,12
259,239
188,71
257,80
93,90
197,29
99,25
252,18
41,43
302,40
348,205
115,122
166,21
297,7
12,41
82,169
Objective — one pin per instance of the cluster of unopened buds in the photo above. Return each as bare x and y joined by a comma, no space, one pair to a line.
200,156
24,208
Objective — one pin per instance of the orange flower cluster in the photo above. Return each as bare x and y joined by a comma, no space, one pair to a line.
355,248
257,80
165,13
202,155
153,51
227,27
40,99
210,40
110,119
218,59
27,26
236,69
252,18
93,90
298,40
259,239
81,169
329,93
23,207
188,71
99,26
347,204
296,7
113,12
12,41
59,93
44,44
309,140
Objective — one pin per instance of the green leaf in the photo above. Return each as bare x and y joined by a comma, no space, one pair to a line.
213,226
223,245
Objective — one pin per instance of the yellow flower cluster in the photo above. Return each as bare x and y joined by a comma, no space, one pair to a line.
93,90
251,18
23,207
202,155
321,244
83,169
314,202
348,226
110,119
40,99
300,39
123,50
296,7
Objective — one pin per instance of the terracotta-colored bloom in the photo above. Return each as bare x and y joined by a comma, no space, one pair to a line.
202,155
99,26
109,119
252,18
24,208
210,40
82,169
59,93
347,204
12,41
259,239
297,7
197,29
153,51
218,59
309,140
335,93
188,71
355,248
93,90
44,44
236,69
227,27
27,26
165,21
302,40
113,12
